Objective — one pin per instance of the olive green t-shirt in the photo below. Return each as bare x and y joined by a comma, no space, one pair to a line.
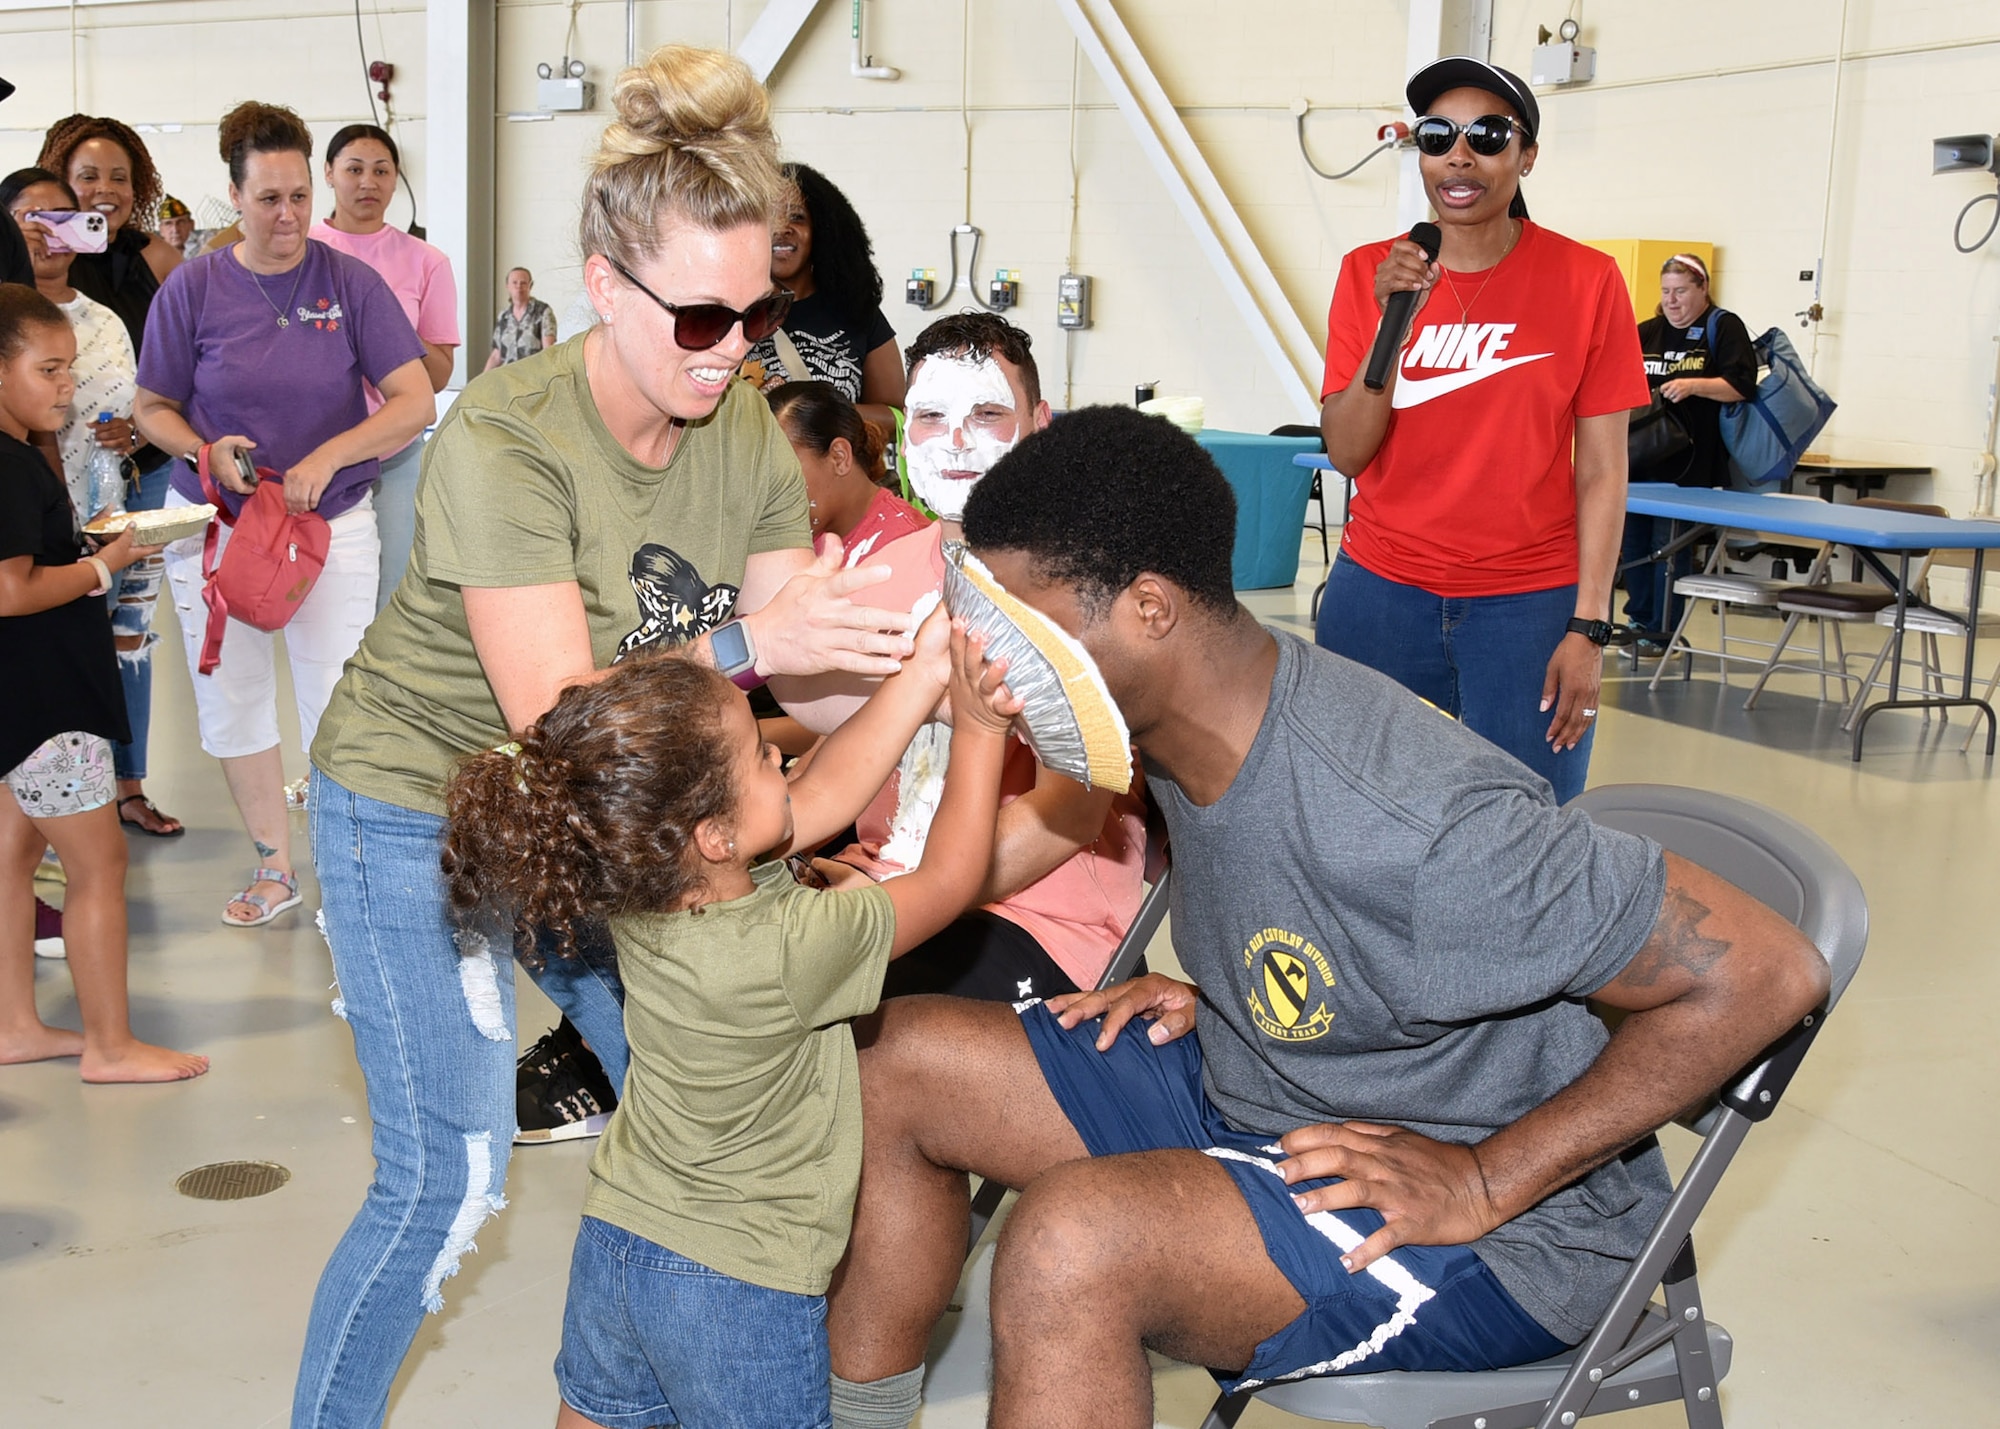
523,485
738,1141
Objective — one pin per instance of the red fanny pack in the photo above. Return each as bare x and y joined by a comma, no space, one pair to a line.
269,566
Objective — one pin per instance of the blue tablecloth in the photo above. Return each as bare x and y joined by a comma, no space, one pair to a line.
1270,504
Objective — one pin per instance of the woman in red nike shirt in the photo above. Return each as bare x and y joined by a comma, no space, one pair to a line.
1479,557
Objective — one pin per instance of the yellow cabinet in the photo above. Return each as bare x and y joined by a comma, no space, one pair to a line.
1640,260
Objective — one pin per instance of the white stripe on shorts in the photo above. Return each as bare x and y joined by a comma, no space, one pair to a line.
1410,1292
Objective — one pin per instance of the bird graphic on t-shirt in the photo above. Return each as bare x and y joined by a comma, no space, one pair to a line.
675,604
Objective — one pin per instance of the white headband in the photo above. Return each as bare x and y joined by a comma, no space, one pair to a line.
1688,260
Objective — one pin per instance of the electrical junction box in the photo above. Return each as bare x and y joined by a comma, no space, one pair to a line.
560,96
1563,62
1073,301
919,286
1005,289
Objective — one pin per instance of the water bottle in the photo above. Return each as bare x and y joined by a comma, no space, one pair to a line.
107,478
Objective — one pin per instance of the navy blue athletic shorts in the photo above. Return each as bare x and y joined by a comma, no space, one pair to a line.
1417,1308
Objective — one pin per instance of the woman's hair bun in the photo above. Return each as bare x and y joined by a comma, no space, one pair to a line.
692,141
253,127
682,97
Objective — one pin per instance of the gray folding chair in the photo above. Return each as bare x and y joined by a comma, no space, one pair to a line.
988,1195
1640,1352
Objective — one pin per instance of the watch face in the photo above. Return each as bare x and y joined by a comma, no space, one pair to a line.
731,647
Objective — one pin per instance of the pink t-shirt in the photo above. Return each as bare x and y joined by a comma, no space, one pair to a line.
417,273
1080,911
887,518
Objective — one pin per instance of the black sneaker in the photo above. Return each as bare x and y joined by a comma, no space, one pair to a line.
560,1090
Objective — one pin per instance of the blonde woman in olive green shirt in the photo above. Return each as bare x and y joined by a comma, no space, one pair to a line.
618,493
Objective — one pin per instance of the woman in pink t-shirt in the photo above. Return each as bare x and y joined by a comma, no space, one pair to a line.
362,167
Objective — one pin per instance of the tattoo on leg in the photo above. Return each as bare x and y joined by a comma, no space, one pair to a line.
1677,942
264,850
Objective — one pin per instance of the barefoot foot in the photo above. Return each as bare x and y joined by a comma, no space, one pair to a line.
39,1044
142,1062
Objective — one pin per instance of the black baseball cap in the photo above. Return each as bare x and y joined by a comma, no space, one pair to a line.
1464,72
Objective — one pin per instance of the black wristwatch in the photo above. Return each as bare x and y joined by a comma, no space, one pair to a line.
1597,632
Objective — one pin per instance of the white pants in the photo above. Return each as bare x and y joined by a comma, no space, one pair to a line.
237,706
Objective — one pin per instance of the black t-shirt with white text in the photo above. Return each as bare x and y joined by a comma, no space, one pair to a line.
1672,352
833,345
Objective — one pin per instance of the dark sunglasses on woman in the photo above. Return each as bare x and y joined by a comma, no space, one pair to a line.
700,326
1487,135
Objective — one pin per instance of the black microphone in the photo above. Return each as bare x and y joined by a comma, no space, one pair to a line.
1396,314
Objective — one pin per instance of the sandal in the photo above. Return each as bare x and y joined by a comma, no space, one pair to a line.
149,810
266,910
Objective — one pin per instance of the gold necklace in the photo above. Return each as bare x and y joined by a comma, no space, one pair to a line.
1465,308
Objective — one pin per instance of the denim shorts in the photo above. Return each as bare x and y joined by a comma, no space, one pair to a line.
651,1337
1421,1307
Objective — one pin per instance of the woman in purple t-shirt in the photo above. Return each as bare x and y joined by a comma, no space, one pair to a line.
266,346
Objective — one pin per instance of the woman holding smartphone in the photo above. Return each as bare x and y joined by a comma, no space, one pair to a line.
104,370
266,348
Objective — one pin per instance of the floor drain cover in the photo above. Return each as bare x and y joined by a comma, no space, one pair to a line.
232,1180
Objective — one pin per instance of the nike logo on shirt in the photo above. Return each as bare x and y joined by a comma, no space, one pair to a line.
1415,391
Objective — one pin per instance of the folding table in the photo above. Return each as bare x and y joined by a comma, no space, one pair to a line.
1871,534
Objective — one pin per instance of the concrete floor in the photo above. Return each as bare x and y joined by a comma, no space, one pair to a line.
1854,1251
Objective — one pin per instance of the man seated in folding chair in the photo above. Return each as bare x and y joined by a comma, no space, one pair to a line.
1398,1138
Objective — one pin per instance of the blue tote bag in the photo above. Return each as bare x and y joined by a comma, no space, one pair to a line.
1767,433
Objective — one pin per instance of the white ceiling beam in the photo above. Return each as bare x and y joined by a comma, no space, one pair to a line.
766,41
1281,339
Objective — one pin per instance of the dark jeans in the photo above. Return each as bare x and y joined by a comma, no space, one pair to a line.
1480,659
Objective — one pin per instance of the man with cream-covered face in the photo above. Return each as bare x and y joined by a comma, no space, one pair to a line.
965,411
1067,861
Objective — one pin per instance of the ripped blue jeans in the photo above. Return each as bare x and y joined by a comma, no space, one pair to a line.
432,1012
135,595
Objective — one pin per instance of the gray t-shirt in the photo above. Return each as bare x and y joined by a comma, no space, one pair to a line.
1391,921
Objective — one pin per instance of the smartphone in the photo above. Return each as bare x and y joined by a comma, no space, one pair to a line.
246,469
70,231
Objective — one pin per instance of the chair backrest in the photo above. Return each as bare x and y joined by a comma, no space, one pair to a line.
1152,908
1776,860
1913,508
1300,429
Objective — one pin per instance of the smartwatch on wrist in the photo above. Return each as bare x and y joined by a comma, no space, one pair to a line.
1597,632
735,654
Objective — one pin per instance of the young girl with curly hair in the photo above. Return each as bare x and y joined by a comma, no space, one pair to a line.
721,1193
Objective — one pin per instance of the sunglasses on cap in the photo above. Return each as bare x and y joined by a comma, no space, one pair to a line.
1488,134
700,326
